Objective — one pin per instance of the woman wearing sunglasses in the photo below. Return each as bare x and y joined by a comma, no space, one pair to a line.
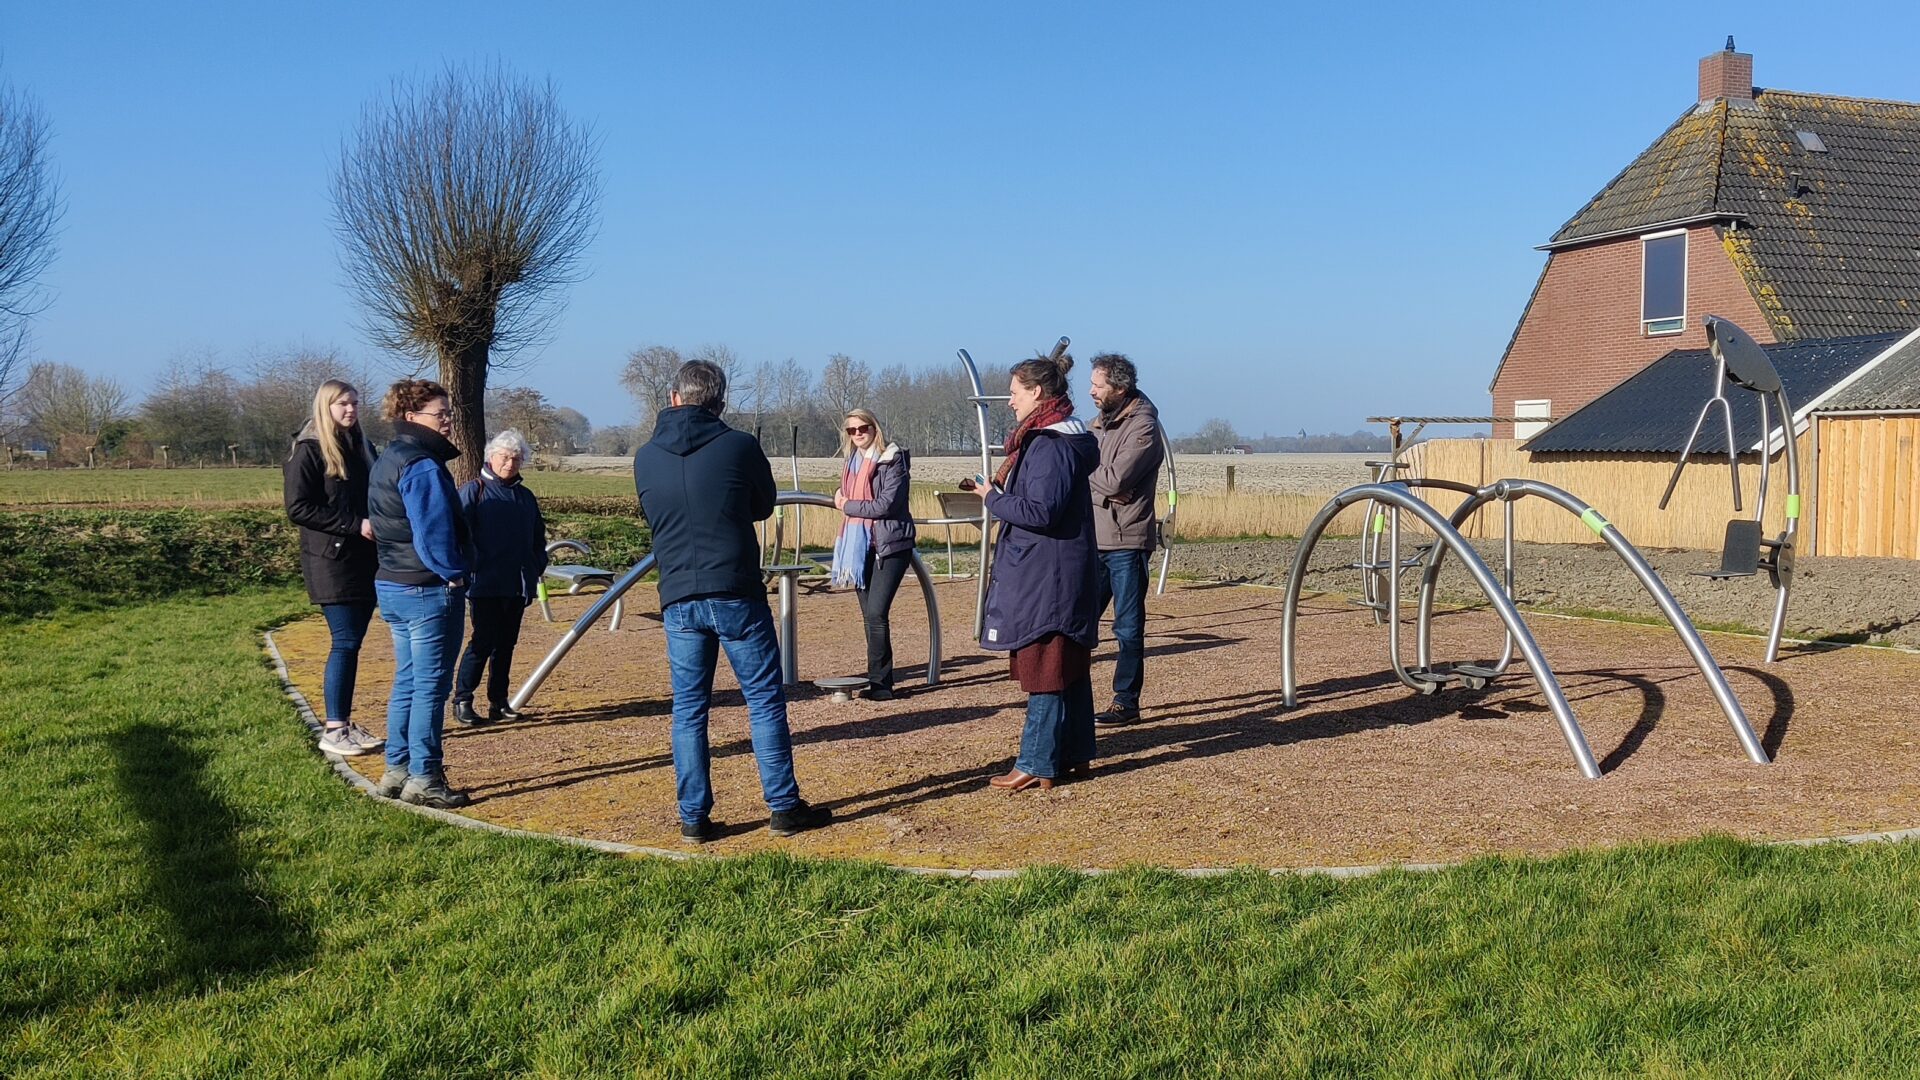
876,540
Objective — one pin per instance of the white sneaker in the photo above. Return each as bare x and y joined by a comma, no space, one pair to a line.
339,742
366,738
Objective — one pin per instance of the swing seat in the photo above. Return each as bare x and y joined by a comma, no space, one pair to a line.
1740,553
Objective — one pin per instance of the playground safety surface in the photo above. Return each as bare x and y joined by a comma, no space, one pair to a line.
1217,772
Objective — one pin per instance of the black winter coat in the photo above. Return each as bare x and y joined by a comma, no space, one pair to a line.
337,562
702,485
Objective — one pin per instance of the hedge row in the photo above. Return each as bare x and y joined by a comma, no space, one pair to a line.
80,559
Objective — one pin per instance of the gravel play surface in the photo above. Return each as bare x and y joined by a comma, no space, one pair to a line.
1217,773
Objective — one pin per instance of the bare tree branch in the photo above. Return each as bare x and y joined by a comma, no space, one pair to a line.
29,210
463,206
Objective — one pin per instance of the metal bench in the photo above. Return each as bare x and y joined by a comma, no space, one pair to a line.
576,577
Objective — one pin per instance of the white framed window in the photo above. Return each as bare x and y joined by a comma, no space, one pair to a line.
1663,282
1523,412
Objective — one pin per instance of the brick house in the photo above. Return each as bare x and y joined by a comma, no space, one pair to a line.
1795,215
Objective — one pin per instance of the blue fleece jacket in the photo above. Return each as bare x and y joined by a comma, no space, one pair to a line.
432,505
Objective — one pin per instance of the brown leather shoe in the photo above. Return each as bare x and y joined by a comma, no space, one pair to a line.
1020,781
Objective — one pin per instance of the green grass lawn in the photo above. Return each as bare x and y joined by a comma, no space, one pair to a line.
186,890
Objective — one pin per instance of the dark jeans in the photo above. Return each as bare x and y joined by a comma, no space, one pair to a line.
696,632
1059,731
496,629
876,600
348,624
426,621
1123,580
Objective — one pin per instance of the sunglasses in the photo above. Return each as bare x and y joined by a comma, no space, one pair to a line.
859,429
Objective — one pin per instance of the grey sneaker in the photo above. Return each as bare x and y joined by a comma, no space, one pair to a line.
366,738
391,782
432,790
339,742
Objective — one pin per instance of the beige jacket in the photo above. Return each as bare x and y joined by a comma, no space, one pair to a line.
1126,484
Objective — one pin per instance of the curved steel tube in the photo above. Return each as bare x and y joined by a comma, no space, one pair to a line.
981,407
1514,489
1783,556
1444,534
645,566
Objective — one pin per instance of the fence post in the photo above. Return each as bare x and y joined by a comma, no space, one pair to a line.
1229,481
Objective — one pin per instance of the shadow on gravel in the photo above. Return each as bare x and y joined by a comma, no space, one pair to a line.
225,924
1775,731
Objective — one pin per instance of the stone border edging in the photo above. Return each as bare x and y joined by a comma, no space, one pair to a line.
613,847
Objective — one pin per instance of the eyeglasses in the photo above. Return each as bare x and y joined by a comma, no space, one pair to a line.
859,429
441,414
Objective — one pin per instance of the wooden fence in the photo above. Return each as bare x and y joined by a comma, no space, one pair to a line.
1624,489
1867,503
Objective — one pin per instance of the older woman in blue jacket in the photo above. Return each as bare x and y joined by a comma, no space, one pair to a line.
508,538
875,546
1040,602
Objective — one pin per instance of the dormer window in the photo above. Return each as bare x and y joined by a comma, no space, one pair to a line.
1663,282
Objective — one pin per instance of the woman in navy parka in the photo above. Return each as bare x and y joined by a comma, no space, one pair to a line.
1040,601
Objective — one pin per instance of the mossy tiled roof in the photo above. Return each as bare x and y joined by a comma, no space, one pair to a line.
1829,243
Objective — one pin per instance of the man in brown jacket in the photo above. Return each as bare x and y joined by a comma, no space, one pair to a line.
1125,487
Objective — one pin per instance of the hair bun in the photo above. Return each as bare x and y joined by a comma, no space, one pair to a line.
1064,362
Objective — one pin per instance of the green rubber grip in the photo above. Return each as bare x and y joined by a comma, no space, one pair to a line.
1173,498
541,590
1379,523
1793,506
1595,522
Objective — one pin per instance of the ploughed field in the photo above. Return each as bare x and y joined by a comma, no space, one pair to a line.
1217,773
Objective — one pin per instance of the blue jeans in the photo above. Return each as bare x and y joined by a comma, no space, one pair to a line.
348,625
1059,731
1123,580
696,631
426,621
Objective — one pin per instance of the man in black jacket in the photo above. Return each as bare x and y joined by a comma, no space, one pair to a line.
702,486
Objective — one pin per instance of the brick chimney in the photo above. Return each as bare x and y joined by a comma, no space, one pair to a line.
1727,75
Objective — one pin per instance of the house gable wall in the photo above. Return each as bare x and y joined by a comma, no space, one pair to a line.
1581,334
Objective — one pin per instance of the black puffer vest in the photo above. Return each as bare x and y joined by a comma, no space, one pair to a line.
392,531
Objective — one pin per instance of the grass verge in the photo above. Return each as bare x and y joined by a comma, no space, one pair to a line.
188,891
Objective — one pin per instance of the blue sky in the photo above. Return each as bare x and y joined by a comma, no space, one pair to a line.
1289,218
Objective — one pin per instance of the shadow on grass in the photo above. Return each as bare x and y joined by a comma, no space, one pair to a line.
224,921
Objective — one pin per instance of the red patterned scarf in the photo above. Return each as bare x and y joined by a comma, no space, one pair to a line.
1046,414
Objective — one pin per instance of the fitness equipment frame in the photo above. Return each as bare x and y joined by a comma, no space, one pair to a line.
983,403
618,589
1741,361
1373,572
1399,496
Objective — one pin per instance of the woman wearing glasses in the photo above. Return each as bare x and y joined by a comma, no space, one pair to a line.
421,584
876,541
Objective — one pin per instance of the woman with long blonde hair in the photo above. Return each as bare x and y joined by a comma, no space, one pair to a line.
875,545
326,495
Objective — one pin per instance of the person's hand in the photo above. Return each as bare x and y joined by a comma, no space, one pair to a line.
840,500
366,529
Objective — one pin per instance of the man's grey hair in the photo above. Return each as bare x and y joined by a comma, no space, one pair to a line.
701,382
1120,372
510,440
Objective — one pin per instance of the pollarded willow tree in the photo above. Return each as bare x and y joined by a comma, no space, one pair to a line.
29,210
463,205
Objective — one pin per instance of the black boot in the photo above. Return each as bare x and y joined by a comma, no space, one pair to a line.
463,713
503,711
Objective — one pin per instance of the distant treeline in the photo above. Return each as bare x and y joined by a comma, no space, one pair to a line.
1217,436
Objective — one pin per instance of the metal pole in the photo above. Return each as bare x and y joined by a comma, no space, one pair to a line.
799,523
1669,607
1444,534
618,589
986,517
789,636
1167,525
